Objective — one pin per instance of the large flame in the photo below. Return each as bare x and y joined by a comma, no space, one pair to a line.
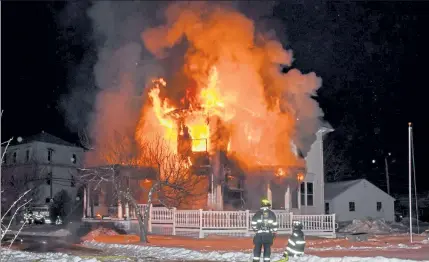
223,89
239,100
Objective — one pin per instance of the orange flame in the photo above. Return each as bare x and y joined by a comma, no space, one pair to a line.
238,88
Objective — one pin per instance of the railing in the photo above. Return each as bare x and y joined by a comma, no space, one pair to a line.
235,221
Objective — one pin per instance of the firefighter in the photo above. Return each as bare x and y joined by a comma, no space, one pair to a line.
296,242
264,223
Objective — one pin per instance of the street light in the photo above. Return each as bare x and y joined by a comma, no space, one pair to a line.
386,166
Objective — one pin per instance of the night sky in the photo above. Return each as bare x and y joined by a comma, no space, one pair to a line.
372,58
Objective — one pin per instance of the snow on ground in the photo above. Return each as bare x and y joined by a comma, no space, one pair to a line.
20,256
57,233
164,253
375,226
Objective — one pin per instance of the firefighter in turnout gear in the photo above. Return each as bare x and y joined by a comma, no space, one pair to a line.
264,223
296,243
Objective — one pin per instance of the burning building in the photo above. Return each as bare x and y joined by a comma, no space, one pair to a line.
205,131
220,101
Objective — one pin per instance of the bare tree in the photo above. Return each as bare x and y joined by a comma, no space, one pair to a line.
173,183
17,204
336,165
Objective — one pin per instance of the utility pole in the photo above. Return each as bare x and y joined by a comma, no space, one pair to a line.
51,186
387,175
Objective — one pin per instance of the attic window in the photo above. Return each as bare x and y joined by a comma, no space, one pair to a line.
50,152
27,155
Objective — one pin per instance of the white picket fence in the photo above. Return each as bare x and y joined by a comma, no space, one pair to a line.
202,221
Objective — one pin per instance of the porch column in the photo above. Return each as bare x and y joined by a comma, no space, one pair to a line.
88,202
84,215
127,210
269,193
119,209
219,197
299,197
287,198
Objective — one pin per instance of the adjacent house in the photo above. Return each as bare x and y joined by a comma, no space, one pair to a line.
44,163
358,199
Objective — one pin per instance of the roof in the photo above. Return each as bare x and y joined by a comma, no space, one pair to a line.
46,138
332,190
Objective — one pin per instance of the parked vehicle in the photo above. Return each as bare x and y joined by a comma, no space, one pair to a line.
39,214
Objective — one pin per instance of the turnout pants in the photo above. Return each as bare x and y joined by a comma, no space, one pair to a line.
264,240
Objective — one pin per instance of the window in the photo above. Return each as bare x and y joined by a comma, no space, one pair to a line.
326,208
303,194
27,155
73,159
309,194
96,198
352,206
50,152
14,157
379,206
49,178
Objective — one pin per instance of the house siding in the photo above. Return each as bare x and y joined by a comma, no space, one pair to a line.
61,166
315,175
365,196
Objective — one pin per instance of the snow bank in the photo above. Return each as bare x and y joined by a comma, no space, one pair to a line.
101,231
164,253
57,233
376,226
20,256
61,233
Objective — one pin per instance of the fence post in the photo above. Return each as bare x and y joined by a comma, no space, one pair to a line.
201,233
333,225
247,223
174,221
149,227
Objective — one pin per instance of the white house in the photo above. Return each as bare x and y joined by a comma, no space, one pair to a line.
311,190
299,192
358,199
43,162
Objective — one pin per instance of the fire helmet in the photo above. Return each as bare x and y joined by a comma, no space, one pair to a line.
296,225
265,202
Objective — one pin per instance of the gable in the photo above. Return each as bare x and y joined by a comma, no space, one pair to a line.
45,138
333,190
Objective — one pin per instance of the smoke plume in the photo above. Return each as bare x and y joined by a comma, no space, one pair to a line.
181,42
